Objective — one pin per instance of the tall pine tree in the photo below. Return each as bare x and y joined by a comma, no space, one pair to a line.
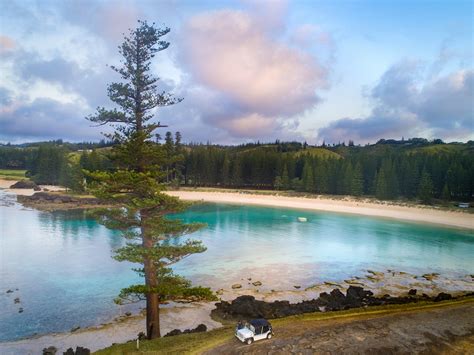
139,204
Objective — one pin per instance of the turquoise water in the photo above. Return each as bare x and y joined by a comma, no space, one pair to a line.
60,262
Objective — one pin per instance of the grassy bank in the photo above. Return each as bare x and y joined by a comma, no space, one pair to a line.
11,174
201,342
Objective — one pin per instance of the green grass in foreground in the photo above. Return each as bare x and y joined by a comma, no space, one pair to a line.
201,342
11,174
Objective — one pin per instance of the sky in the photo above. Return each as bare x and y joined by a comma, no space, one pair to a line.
332,70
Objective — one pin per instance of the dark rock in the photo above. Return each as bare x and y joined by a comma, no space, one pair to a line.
173,333
128,314
24,184
82,351
17,300
20,310
296,286
199,329
75,329
40,197
247,307
9,291
235,286
50,350
79,351
257,283
36,188
412,292
443,297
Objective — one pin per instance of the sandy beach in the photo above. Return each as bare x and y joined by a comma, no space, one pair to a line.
347,205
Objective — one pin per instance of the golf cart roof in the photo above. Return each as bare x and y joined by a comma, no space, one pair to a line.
259,322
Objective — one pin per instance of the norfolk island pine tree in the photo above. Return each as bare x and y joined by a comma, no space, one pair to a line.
134,188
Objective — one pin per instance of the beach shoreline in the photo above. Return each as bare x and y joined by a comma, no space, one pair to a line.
347,205
344,205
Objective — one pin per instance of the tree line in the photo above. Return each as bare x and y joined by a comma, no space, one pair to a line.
384,170
387,174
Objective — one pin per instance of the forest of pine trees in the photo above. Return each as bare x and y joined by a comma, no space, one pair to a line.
355,171
385,170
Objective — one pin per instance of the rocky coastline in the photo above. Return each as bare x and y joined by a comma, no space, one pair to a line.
52,201
247,307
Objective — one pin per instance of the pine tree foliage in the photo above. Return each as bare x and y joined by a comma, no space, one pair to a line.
133,188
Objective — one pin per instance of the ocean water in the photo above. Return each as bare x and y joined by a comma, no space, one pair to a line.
62,267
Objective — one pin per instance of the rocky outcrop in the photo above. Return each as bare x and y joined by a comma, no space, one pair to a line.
50,350
53,201
25,184
79,351
247,307
199,329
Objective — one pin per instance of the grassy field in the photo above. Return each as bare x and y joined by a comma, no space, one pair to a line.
10,174
201,342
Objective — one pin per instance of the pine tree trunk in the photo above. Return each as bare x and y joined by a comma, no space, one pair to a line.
152,299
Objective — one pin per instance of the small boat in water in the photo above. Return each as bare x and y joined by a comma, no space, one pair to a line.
302,219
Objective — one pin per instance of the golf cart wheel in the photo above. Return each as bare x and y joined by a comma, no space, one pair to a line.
269,336
249,341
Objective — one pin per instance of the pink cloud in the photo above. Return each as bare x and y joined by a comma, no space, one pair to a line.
7,44
250,125
230,52
308,34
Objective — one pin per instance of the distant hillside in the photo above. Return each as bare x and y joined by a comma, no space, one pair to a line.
390,169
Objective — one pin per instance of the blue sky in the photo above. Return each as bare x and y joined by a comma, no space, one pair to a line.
248,70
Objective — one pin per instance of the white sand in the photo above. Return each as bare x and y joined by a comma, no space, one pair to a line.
413,214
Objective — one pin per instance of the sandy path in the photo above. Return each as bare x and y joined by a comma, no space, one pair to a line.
445,330
413,214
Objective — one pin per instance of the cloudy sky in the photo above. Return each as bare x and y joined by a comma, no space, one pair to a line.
248,70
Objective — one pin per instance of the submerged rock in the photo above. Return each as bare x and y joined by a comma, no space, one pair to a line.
430,277
235,286
257,283
17,300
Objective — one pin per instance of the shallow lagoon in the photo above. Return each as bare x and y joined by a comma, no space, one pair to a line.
60,262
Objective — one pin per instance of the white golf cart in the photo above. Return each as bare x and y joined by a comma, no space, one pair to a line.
256,329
